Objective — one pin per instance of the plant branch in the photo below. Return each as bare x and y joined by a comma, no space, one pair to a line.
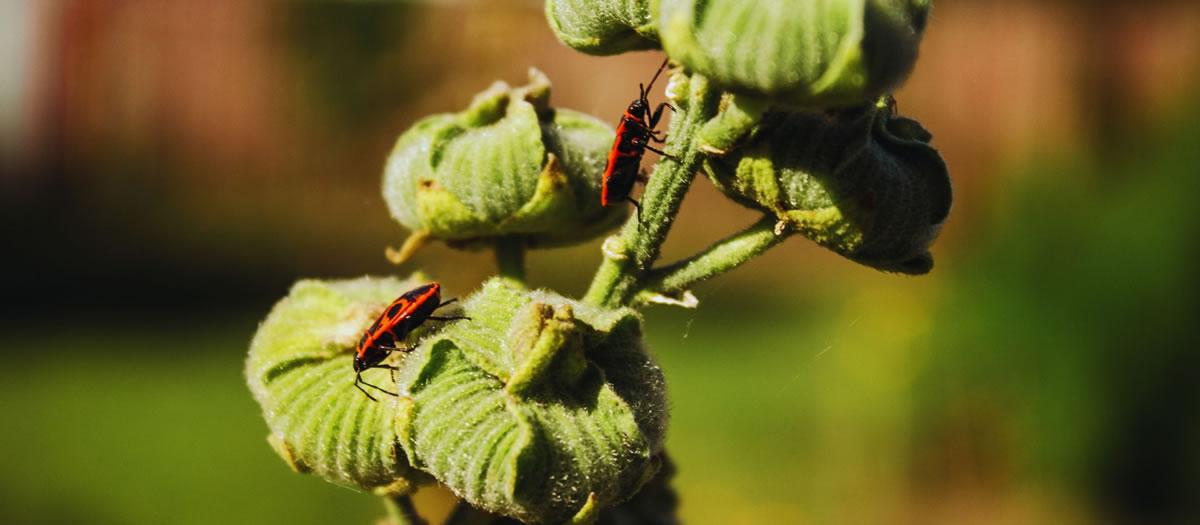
400,511
510,258
629,254
722,256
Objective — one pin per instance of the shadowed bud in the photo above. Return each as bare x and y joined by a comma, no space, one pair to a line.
810,53
539,408
299,370
603,27
862,182
507,166
655,504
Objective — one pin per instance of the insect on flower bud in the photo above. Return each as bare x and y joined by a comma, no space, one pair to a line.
603,27
805,54
299,370
541,408
862,182
507,166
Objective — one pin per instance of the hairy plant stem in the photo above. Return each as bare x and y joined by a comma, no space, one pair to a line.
400,511
722,256
510,258
630,254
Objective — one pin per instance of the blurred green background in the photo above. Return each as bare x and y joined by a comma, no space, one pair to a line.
170,167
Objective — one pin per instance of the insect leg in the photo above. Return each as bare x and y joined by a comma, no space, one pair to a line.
450,318
658,113
637,205
363,390
391,369
379,388
661,152
359,380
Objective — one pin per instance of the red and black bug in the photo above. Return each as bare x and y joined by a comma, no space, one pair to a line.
405,314
634,133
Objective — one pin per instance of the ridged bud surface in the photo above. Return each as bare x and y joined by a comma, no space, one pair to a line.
539,407
603,27
299,370
507,166
863,183
802,53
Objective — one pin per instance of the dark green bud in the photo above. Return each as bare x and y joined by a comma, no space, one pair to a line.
603,27
655,504
299,370
808,54
539,408
507,166
863,182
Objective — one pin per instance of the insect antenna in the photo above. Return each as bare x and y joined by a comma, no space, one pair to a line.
646,90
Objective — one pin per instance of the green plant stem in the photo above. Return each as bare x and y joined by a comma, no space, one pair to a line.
400,511
632,252
510,258
722,256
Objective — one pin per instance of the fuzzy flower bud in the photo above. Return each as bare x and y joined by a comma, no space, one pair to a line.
507,166
299,370
810,53
603,27
863,183
655,504
539,408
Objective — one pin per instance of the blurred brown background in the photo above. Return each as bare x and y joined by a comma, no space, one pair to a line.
170,167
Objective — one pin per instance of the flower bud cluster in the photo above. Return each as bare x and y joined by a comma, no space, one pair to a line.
809,53
548,410
539,408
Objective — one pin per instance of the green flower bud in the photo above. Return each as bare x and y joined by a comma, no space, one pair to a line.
812,53
507,166
655,504
603,27
299,370
539,408
863,183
